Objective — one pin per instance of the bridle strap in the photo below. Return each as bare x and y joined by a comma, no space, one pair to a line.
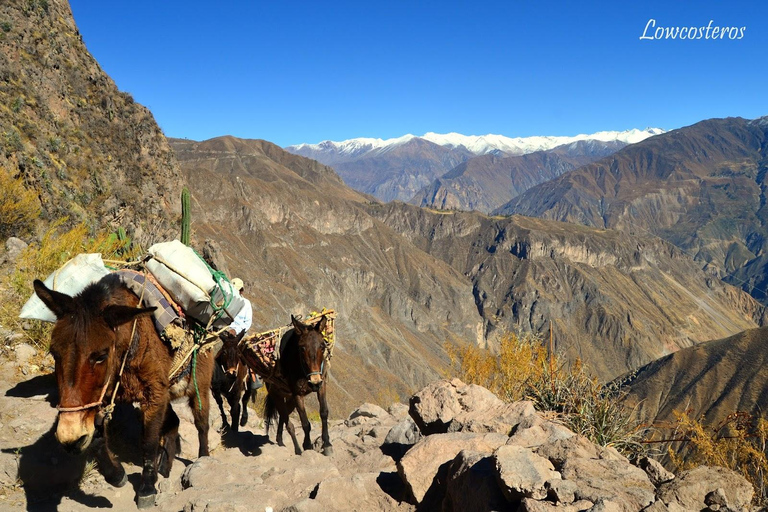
108,409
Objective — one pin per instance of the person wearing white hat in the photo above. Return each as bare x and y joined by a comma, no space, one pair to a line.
244,318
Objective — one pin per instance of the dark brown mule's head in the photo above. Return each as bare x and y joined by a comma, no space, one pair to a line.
312,346
229,355
87,342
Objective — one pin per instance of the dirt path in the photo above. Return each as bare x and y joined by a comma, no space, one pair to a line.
246,471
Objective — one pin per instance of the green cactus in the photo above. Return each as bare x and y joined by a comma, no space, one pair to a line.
185,214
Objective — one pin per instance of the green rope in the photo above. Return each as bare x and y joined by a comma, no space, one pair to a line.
219,277
194,379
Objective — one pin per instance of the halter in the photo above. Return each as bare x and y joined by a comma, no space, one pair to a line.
105,412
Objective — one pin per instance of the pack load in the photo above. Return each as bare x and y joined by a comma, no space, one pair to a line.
204,294
261,351
201,293
71,278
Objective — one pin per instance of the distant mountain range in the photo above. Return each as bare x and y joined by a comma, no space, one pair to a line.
702,187
399,168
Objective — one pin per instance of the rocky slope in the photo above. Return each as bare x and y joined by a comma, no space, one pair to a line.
616,301
301,241
701,187
88,151
487,182
710,380
456,447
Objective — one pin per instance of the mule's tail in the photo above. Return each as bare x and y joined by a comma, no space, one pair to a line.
270,411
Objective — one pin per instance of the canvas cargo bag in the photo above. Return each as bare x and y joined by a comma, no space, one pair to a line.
71,278
201,293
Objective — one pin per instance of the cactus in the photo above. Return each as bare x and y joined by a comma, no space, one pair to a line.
185,214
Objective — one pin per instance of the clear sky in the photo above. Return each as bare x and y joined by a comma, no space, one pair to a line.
293,72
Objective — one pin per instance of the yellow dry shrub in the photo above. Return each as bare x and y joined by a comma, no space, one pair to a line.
737,443
19,206
523,369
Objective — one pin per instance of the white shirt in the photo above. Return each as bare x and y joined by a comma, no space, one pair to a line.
244,318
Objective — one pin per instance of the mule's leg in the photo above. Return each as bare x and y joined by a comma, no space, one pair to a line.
220,403
199,399
169,442
246,398
305,424
109,467
322,399
291,432
233,397
153,418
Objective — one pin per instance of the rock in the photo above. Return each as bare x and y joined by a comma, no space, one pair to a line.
716,500
531,505
452,406
200,472
405,433
627,486
690,489
305,505
364,413
656,506
398,410
604,505
470,484
523,474
562,491
419,467
24,353
360,491
13,248
657,474
576,447
534,431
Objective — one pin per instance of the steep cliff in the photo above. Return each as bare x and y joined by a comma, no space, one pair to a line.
616,301
89,151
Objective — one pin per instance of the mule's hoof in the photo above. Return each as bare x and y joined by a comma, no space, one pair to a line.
119,481
328,451
146,501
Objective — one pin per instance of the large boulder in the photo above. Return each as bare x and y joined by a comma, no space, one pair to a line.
470,486
690,489
430,457
453,406
610,480
523,474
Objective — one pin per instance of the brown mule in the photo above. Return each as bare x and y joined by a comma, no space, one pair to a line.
96,333
304,368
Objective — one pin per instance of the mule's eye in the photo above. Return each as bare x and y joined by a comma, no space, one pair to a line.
99,357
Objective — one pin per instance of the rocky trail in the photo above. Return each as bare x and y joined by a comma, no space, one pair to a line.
456,447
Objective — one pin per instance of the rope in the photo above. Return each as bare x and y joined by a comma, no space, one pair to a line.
194,379
219,278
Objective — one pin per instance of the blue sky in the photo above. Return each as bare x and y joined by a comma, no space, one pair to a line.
293,72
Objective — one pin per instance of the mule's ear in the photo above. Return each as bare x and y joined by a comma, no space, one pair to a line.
320,326
116,315
60,303
300,327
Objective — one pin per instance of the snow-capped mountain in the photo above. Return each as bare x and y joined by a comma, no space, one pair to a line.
398,168
475,144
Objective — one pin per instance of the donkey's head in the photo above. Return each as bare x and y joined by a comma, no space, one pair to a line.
312,346
229,355
89,336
